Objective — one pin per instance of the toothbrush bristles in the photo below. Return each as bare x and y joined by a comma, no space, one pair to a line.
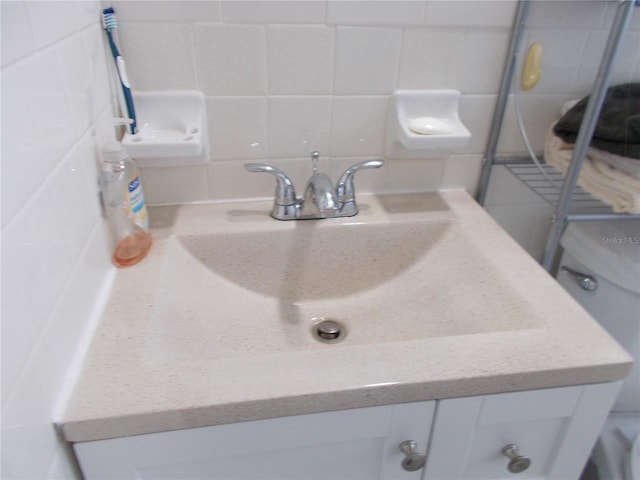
109,20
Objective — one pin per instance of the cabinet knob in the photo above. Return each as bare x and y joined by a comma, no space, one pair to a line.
413,460
517,462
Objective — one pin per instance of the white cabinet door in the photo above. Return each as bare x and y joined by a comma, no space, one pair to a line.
349,444
554,428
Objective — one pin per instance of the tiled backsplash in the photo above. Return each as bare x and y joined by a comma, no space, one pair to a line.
284,78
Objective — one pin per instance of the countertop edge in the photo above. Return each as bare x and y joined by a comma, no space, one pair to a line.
371,396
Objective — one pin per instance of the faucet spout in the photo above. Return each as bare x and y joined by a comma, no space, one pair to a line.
319,198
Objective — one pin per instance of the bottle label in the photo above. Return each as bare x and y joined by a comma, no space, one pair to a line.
137,208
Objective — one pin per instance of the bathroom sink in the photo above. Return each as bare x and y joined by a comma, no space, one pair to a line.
261,291
216,325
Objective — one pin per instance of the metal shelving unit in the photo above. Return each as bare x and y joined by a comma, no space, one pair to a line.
571,202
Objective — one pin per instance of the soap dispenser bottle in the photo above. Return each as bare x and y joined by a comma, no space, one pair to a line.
125,207
117,161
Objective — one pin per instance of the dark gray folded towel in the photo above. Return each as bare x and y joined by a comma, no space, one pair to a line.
618,127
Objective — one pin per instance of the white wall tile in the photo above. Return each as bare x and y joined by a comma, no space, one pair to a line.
476,113
414,175
159,56
463,171
358,125
375,12
300,60
567,14
299,125
48,260
54,119
366,60
273,11
38,127
99,87
528,224
19,326
23,164
77,206
231,59
77,77
78,305
52,21
626,62
487,13
169,185
88,13
237,127
17,35
28,449
469,60
166,11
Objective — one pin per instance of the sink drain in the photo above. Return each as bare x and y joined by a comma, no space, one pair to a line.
328,331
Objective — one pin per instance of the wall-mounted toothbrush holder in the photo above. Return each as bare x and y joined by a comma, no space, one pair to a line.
172,129
424,124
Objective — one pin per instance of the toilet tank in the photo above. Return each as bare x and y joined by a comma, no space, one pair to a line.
609,252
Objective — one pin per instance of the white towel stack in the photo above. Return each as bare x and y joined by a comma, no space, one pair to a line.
611,178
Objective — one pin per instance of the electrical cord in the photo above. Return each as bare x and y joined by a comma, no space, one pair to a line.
523,131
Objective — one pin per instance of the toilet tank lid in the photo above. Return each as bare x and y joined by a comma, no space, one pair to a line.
610,249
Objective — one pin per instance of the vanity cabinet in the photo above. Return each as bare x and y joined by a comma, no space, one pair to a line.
551,432
348,444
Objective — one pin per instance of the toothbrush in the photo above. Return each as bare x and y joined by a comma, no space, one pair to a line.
110,23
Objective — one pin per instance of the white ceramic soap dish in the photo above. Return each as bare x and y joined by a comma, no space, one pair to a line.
424,124
172,129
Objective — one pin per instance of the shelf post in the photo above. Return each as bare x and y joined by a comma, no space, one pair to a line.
517,31
590,119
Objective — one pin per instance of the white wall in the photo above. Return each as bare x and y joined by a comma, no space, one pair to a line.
285,78
55,255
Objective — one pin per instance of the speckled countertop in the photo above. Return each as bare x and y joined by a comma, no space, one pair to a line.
214,326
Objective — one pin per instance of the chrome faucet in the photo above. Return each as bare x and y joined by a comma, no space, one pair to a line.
320,199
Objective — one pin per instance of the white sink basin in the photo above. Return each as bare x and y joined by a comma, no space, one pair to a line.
258,292
214,326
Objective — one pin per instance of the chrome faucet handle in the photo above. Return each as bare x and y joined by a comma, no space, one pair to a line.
345,190
285,204
285,193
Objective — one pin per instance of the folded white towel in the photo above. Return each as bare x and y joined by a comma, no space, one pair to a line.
618,188
624,164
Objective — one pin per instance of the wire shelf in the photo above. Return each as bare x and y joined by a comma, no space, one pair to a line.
582,202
